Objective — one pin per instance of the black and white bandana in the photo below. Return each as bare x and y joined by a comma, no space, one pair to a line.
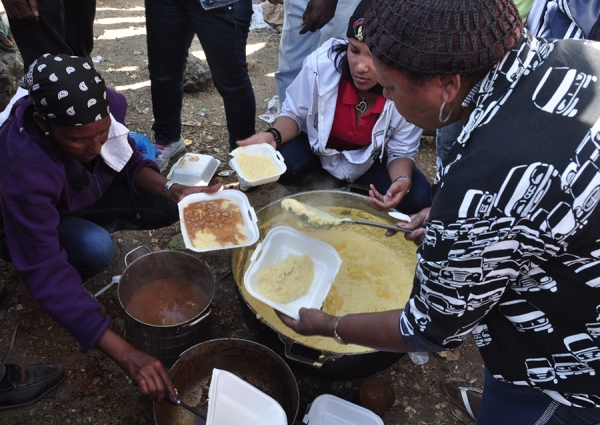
66,90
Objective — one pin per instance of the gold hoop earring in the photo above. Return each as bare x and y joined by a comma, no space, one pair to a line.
444,120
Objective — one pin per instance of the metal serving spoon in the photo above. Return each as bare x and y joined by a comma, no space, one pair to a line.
318,218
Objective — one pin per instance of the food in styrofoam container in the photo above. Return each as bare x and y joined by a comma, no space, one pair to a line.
193,169
220,220
287,279
257,164
278,244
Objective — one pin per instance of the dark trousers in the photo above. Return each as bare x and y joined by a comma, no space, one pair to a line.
505,404
302,163
65,27
171,25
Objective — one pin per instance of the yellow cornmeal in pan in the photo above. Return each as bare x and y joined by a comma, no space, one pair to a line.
376,273
288,279
255,166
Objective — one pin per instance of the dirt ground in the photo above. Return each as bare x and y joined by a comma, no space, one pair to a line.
95,390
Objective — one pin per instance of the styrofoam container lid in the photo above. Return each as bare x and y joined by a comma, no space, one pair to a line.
328,409
262,149
231,401
278,244
193,169
240,199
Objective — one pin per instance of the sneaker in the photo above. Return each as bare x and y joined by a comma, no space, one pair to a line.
166,152
22,385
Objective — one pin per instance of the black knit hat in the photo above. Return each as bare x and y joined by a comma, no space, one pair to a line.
442,36
356,22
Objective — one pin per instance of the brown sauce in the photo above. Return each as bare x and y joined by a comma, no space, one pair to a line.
220,218
166,302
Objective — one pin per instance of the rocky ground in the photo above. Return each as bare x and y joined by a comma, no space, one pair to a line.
96,391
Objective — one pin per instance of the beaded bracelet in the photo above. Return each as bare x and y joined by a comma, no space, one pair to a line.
276,135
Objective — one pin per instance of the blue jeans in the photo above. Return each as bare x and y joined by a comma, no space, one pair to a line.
223,32
505,403
444,139
301,162
86,236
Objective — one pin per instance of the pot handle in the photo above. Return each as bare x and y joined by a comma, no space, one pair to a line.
288,342
195,322
135,249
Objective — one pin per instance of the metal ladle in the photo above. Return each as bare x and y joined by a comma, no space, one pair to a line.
318,218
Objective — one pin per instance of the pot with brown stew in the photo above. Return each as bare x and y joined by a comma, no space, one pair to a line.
166,295
376,275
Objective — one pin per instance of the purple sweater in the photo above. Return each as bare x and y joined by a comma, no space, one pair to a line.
34,194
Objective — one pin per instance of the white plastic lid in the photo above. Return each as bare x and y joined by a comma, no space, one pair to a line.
193,169
233,401
328,409
240,199
259,149
278,244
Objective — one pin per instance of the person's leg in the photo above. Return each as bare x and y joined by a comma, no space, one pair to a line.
228,26
293,47
300,160
339,23
118,209
89,247
79,26
168,37
504,403
45,36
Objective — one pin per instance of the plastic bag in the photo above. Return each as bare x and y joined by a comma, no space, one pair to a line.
272,110
144,146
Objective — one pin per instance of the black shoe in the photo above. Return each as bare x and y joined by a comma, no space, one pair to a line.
2,292
22,385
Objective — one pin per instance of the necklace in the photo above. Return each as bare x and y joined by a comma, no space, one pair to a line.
362,105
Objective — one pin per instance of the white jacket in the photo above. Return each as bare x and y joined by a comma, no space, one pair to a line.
310,101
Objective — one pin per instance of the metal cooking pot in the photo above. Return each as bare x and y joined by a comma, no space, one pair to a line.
165,343
249,360
320,363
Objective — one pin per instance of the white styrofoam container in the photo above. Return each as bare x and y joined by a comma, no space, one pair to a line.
328,409
262,149
193,169
278,244
241,200
233,401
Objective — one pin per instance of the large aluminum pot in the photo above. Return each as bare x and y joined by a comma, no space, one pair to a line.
334,363
167,342
249,360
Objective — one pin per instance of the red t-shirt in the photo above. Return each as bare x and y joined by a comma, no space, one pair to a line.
345,134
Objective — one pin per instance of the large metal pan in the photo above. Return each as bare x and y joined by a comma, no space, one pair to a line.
317,362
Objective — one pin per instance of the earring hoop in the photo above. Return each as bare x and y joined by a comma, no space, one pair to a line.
46,134
444,120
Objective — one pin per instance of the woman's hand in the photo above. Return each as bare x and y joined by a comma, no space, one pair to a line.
22,9
258,138
392,197
311,322
179,191
417,224
149,373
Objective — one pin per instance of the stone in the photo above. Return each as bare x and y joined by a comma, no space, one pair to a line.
273,15
197,76
11,70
